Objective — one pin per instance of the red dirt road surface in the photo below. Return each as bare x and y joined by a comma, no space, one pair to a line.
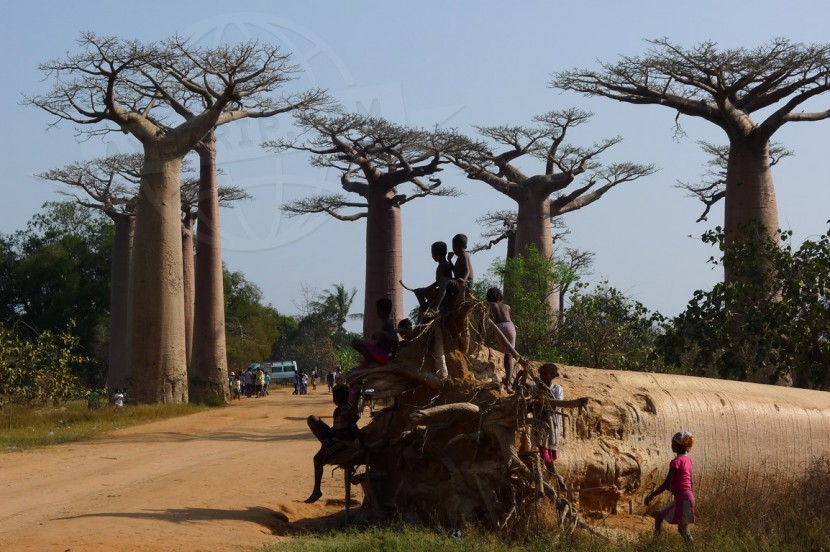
231,478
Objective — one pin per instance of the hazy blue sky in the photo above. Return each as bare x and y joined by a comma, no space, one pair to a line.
450,63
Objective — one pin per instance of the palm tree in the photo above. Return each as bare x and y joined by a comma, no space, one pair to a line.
334,306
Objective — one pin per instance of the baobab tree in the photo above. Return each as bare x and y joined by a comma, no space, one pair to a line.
374,157
725,87
227,195
498,226
712,187
563,164
110,185
115,84
189,95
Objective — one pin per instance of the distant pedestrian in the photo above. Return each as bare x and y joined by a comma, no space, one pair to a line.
260,382
248,382
330,379
118,398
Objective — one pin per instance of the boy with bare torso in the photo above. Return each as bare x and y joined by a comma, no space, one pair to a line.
462,269
500,315
443,277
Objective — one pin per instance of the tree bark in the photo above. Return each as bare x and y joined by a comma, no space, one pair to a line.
750,191
208,375
384,258
533,229
533,224
188,275
118,359
158,371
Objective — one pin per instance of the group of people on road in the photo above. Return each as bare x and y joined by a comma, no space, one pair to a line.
302,381
254,381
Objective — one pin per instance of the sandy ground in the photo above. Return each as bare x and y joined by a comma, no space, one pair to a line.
227,479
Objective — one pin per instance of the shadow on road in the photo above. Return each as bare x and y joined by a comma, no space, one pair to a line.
276,522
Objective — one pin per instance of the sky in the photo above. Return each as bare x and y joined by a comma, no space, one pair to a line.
450,63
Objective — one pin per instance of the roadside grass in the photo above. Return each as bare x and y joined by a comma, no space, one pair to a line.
409,539
769,514
74,421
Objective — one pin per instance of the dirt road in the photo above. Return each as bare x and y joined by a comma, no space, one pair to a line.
232,478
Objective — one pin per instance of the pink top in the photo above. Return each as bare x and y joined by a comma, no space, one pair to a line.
682,480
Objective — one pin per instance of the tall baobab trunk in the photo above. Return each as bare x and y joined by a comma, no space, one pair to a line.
209,366
750,198
384,258
158,372
118,360
533,229
750,191
189,276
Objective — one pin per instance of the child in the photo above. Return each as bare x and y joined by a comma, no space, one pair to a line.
340,435
550,428
500,314
385,339
405,329
443,277
681,512
462,269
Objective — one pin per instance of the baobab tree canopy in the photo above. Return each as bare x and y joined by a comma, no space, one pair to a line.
542,196
725,87
374,158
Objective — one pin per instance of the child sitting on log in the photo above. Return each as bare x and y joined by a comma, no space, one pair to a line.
385,339
405,329
443,277
681,511
337,437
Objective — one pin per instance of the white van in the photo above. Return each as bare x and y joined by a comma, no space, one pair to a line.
282,371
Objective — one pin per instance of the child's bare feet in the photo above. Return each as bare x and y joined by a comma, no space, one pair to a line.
315,496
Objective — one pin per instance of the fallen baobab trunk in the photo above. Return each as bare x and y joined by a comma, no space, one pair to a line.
745,433
452,446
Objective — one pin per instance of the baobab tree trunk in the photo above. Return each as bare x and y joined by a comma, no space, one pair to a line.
158,371
533,229
189,276
750,192
384,259
746,434
208,376
118,360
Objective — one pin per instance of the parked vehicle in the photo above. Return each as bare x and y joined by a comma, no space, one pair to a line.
282,371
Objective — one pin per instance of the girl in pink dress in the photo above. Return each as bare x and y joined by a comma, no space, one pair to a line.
681,512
